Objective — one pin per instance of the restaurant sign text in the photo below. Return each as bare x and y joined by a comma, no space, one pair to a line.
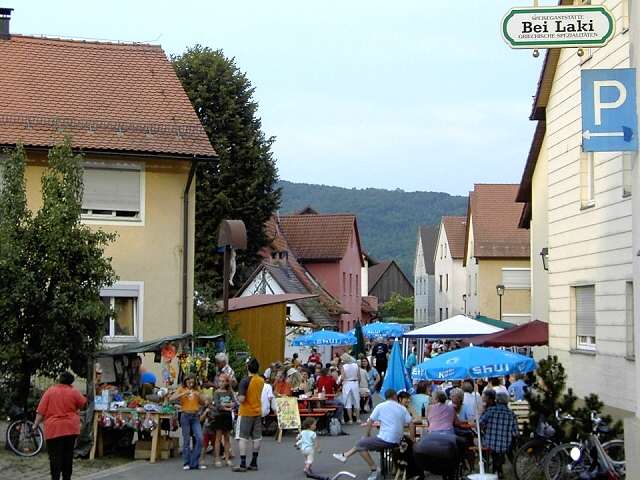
557,27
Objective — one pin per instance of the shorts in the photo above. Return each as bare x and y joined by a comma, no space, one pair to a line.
309,455
223,422
250,428
373,444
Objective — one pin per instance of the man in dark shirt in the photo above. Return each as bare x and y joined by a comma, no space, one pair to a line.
380,351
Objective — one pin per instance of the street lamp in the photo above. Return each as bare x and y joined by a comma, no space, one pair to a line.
500,292
464,299
544,253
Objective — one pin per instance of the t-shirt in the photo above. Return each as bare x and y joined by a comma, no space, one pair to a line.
251,388
314,358
266,399
306,439
189,403
380,351
440,417
392,417
283,388
326,383
221,398
518,389
59,406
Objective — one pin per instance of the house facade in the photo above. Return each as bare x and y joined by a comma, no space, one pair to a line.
387,278
497,253
141,141
423,276
450,277
578,207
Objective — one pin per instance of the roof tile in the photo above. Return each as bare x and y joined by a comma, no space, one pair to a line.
318,237
455,228
106,96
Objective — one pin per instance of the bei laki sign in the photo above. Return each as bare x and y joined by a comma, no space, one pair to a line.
557,27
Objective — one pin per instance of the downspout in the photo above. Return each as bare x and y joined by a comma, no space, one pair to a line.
185,241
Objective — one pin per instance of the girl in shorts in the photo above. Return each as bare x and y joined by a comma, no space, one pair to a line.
223,402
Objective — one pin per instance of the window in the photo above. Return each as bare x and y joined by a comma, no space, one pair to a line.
440,282
446,283
288,311
112,193
344,282
358,286
627,169
587,179
516,278
585,317
445,250
350,284
123,300
469,285
630,337
440,314
626,10
446,312
475,285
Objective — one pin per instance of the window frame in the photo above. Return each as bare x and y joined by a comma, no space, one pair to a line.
627,174
138,312
587,179
583,342
113,219
630,321
510,286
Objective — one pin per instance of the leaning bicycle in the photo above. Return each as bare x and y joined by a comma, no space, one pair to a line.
21,436
587,458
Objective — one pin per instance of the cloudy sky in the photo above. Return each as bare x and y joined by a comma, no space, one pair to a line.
418,95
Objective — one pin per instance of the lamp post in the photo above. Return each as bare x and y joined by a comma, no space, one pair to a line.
464,299
500,292
544,253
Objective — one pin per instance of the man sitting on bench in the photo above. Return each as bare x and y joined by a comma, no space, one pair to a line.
392,417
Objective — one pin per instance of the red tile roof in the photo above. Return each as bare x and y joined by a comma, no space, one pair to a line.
107,96
494,218
455,228
318,236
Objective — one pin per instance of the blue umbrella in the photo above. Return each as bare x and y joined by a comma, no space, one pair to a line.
473,362
324,337
382,329
396,376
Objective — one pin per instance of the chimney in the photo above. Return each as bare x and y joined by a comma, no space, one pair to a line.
5,19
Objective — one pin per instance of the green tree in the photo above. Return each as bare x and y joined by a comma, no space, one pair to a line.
241,182
51,270
398,307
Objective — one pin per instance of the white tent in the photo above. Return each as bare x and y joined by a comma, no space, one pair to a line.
453,328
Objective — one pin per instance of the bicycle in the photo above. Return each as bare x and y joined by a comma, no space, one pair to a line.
528,458
335,477
588,458
21,438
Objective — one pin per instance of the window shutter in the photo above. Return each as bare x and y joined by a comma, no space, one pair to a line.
586,311
111,189
121,291
516,278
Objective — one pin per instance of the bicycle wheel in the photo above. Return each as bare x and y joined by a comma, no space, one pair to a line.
23,439
558,464
528,460
615,451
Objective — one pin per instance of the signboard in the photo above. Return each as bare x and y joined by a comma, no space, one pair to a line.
288,414
609,119
557,27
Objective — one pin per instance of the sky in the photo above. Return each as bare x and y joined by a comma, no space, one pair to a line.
416,95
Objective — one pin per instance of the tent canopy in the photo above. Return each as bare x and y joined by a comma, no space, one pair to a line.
494,322
152,345
528,335
452,328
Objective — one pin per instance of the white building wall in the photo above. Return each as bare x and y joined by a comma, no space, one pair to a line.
472,276
588,245
539,231
454,283
422,300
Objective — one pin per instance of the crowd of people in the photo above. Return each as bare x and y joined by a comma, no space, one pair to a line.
350,385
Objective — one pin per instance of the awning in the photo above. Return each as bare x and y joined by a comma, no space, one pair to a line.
530,334
152,345
455,327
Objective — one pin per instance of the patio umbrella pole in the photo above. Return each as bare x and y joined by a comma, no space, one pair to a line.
475,406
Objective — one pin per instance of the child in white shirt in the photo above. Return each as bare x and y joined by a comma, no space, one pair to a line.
307,442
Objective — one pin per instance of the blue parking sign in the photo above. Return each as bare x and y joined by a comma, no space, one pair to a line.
609,118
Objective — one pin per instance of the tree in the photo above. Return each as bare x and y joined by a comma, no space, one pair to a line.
241,182
398,307
51,270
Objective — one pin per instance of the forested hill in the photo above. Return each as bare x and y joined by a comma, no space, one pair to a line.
388,220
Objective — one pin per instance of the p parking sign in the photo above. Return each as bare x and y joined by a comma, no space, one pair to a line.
609,118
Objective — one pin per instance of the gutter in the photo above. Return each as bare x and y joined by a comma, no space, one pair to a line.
185,240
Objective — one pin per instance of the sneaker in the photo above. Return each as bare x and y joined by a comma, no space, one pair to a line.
229,463
218,463
202,467
340,457
186,467
373,475
239,468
